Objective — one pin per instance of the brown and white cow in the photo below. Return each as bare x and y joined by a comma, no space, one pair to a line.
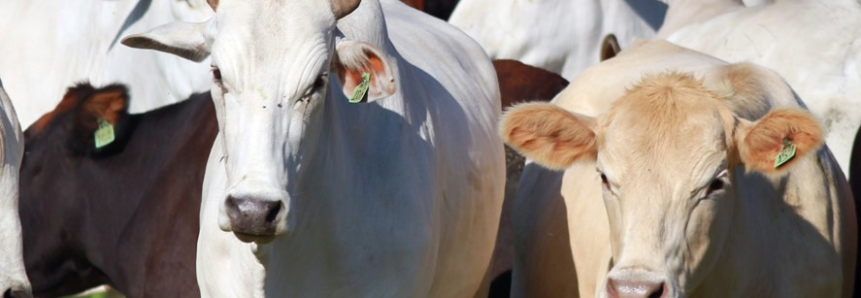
682,148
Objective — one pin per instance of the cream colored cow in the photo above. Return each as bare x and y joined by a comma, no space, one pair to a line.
682,149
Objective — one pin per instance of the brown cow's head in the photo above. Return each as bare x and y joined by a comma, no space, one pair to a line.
78,117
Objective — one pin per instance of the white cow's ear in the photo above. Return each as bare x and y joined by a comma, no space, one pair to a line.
358,62
549,135
191,41
775,142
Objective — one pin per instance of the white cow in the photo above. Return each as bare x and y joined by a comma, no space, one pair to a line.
60,43
396,197
562,36
693,204
13,278
814,45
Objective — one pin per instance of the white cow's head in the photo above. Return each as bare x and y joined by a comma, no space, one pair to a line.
274,64
666,154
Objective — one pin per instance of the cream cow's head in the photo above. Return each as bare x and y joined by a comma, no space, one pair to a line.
665,154
274,64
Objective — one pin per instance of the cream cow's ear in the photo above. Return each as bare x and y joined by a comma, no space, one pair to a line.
779,139
549,135
364,72
191,41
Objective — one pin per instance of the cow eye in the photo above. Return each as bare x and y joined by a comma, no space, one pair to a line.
604,181
216,73
318,83
715,186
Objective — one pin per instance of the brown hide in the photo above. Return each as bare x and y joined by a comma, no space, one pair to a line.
125,214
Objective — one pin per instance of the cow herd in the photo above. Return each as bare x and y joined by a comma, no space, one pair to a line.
354,148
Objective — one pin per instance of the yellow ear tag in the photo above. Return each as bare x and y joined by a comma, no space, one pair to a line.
104,134
785,155
362,89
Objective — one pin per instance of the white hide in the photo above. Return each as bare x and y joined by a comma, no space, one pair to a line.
814,45
562,36
12,275
399,197
60,43
761,248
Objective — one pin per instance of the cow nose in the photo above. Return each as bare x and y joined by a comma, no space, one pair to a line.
636,289
252,216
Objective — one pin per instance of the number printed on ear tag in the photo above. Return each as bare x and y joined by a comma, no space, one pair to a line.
362,89
785,155
104,134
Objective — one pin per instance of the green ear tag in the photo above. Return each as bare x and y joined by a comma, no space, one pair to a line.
362,89
785,155
104,134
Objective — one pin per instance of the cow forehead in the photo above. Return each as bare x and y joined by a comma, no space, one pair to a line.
669,125
276,15
260,44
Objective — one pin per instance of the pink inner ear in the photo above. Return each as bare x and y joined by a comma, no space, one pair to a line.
351,79
380,85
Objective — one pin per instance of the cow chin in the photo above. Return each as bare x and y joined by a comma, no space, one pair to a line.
255,214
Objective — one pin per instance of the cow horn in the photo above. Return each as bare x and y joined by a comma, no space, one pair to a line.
342,8
213,4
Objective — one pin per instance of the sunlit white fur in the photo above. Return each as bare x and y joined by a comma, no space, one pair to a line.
562,36
60,43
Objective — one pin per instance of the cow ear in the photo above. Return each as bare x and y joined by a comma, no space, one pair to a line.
610,47
361,65
775,142
101,121
191,41
549,135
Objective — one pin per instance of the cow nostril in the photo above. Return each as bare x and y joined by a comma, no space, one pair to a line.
7,294
273,212
636,289
658,293
254,216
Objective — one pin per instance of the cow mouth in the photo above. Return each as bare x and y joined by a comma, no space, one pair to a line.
248,238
